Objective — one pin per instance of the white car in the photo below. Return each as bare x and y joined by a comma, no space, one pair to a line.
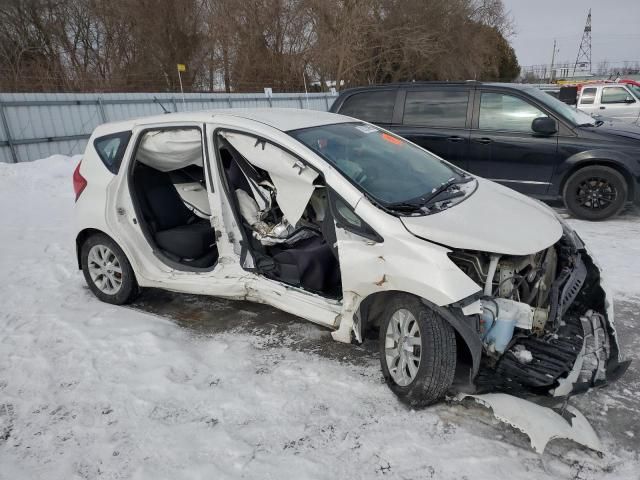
470,285
617,101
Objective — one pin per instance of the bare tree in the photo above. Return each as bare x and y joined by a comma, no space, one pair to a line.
237,45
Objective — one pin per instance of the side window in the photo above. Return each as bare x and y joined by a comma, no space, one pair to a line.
436,108
506,112
374,107
616,95
111,149
347,219
588,96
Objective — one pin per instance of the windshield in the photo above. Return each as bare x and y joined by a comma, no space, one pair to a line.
383,165
572,114
635,89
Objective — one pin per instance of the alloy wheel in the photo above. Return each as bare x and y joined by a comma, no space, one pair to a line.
403,347
596,193
105,269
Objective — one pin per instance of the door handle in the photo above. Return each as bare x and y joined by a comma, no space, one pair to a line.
454,138
602,108
483,140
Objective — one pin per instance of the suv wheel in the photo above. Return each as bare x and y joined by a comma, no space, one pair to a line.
107,271
417,351
595,193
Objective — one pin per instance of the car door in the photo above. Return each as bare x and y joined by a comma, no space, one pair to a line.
127,218
293,183
505,149
437,119
618,103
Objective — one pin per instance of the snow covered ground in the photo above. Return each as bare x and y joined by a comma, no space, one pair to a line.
92,391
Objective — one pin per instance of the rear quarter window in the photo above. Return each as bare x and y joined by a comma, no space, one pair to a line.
111,149
374,107
588,96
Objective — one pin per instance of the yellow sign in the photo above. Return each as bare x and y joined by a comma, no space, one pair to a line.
182,67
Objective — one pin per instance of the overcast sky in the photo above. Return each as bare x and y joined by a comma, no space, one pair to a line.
615,29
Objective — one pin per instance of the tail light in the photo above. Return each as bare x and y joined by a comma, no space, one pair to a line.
79,182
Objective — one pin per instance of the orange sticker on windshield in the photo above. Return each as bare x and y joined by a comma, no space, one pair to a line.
391,139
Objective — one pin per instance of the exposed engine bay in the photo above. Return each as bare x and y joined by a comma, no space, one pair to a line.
542,320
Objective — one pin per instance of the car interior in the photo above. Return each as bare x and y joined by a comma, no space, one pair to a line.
302,254
170,193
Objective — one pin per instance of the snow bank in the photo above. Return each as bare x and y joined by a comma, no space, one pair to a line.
90,391
615,243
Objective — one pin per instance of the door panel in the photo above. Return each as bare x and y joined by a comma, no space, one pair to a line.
503,147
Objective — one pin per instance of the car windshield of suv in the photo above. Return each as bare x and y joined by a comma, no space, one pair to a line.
572,114
395,173
635,89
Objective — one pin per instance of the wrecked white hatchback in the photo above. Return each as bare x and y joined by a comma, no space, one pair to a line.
470,286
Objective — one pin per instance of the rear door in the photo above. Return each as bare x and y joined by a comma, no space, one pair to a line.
504,148
438,119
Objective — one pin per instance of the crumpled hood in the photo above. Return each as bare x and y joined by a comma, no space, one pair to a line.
493,219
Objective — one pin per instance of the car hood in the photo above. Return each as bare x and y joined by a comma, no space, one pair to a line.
616,128
493,219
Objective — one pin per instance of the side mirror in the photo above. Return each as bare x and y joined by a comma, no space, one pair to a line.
544,125
629,100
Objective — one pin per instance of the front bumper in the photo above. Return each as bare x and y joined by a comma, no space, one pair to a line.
579,348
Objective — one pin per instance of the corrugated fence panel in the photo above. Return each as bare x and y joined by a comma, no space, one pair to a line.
44,124
44,150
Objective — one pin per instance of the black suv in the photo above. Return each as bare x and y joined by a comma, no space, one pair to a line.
513,134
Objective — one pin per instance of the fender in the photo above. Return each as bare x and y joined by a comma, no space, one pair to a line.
465,329
620,161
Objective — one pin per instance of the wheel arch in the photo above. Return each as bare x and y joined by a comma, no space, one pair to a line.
82,237
467,339
616,165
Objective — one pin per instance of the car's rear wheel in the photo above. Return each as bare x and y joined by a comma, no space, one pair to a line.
417,351
595,193
107,271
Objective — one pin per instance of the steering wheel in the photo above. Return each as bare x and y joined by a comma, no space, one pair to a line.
360,177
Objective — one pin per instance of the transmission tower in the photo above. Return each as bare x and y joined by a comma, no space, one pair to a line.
583,60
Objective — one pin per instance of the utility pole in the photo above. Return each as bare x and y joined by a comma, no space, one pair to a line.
553,59
584,51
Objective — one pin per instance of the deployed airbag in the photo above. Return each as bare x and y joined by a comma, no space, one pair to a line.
168,150
292,179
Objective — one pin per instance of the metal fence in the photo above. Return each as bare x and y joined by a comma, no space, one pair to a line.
37,125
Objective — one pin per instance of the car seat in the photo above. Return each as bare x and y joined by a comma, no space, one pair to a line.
181,234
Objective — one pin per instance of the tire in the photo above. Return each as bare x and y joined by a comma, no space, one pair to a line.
107,270
595,193
435,347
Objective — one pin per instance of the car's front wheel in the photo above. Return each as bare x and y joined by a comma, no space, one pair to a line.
595,193
107,271
417,351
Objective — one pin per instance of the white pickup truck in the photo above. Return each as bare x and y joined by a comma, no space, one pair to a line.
617,101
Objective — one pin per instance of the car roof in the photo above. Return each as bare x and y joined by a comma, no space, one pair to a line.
284,119
471,83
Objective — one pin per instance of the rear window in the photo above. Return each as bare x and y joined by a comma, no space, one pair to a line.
374,107
436,108
111,149
588,96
